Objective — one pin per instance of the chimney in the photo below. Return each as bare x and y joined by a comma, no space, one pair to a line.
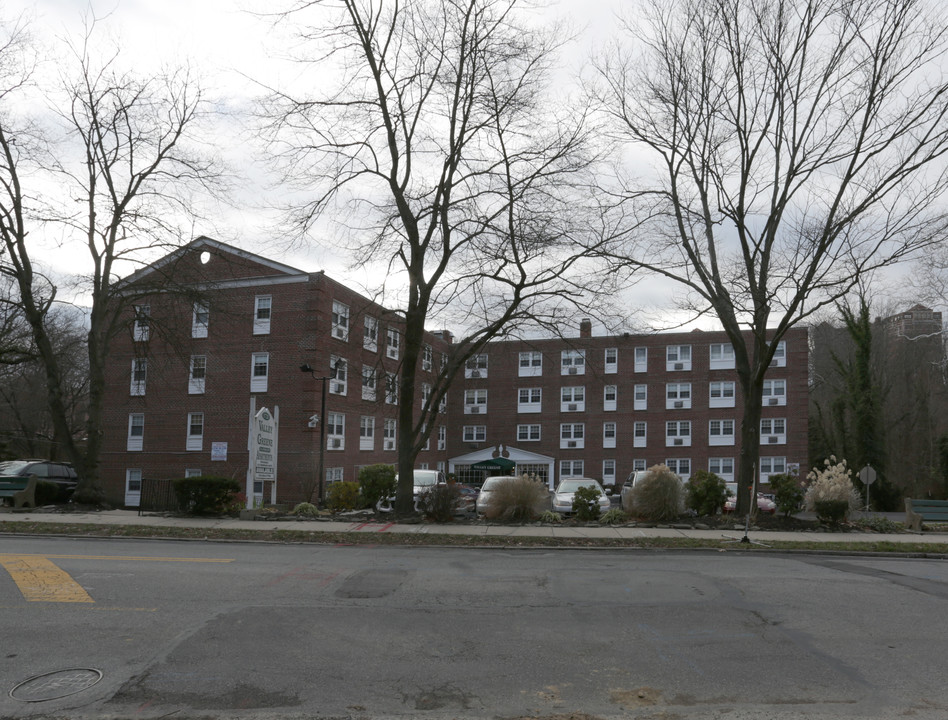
585,328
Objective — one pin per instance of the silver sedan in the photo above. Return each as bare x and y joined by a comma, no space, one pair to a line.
563,495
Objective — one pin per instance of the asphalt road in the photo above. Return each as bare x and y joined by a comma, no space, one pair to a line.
246,630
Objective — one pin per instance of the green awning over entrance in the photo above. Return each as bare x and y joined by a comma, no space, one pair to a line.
497,463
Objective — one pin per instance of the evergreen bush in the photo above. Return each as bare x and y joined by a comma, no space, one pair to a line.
707,493
586,503
205,494
376,482
788,493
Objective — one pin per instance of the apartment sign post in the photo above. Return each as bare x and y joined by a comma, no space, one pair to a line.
264,450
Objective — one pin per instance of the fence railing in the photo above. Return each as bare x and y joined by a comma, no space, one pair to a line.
157,496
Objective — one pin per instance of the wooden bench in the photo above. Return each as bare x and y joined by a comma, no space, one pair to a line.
21,490
919,511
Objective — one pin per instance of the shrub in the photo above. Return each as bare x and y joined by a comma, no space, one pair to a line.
376,482
788,493
586,503
205,494
658,495
518,500
707,493
613,516
831,494
46,492
439,503
342,496
305,509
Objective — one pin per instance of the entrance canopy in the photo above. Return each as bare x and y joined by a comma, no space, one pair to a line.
497,463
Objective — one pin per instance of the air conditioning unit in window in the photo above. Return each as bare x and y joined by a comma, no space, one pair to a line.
679,366
571,408
679,404
573,371
338,388
474,409
475,373
571,444
389,444
678,441
335,443
338,332
772,439
772,401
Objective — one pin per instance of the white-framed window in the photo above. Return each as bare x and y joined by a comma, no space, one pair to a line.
427,357
722,467
680,466
641,360
572,399
368,383
571,468
639,433
677,357
531,364
262,308
192,472
200,316
370,333
775,392
608,472
721,356
334,475
678,396
772,466
335,431
720,432
366,432
528,433
476,366
340,321
721,394
393,341
773,431
611,366
195,431
609,435
678,433
140,329
139,376
391,389
610,394
136,432
780,355
338,375
389,428
640,398
427,437
475,402
425,394
639,464
443,403
573,362
133,487
442,437
197,375
474,433
572,436
259,372
529,400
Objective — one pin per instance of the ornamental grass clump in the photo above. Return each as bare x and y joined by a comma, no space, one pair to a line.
521,499
659,495
831,494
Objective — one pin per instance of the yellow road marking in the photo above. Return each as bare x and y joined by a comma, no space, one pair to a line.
41,581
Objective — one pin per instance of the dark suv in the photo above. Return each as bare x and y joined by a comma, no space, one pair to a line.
58,473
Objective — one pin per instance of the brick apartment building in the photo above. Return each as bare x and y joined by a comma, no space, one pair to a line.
191,372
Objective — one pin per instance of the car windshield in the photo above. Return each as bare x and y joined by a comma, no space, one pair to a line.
492,483
12,467
571,486
426,477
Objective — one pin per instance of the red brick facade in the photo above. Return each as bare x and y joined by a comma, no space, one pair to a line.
269,319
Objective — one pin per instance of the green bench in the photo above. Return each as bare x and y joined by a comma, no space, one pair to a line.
919,511
21,490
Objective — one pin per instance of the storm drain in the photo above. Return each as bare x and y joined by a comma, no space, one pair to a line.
57,684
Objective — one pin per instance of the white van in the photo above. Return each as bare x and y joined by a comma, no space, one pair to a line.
423,480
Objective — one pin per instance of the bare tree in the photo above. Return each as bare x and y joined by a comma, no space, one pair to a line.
443,143
799,145
121,165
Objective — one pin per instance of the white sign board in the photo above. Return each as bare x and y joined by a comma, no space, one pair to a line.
264,446
219,451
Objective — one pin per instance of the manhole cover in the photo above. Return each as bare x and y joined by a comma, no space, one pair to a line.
57,684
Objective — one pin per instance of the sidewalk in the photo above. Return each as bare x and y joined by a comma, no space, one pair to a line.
131,517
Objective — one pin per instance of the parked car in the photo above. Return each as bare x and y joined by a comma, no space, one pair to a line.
467,497
764,504
423,480
625,495
490,484
563,495
61,474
